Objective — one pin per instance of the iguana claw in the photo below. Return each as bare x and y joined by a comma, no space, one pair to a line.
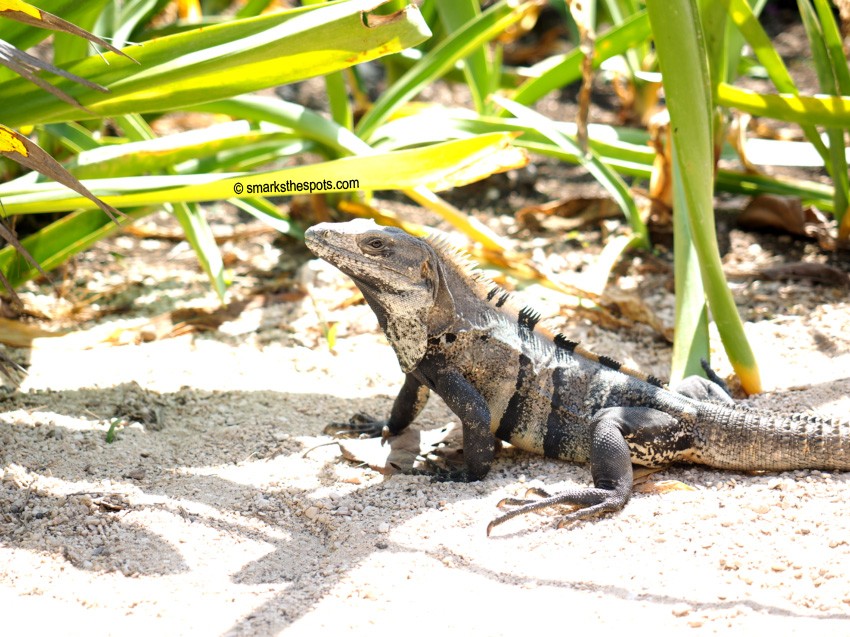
589,503
360,425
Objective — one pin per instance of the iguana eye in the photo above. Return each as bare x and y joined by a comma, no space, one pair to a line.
375,245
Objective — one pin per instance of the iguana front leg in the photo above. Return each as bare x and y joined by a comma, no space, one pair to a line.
479,443
610,463
409,402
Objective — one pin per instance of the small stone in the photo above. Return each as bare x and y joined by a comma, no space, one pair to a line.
136,474
681,609
311,513
383,527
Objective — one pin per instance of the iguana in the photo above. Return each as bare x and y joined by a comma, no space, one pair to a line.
458,334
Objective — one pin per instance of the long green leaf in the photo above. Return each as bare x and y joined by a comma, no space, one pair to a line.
431,67
267,212
744,18
437,167
163,153
200,236
221,61
747,22
336,139
477,68
832,39
119,20
831,73
622,149
691,340
558,71
828,110
681,54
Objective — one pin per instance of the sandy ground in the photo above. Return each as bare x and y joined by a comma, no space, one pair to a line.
218,509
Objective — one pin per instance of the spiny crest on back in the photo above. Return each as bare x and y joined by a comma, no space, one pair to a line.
526,318
483,287
574,347
459,261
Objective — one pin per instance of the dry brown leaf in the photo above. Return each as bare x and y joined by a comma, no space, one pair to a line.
776,212
566,215
663,486
17,334
661,180
632,307
818,272
736,135
584,16
20,149
405,452
641,474
29,14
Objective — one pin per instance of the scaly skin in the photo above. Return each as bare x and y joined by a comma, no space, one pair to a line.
457,334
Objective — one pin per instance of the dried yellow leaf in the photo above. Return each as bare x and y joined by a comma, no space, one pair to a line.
10,141
22,7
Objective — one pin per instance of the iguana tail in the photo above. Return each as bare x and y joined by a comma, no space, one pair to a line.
741,438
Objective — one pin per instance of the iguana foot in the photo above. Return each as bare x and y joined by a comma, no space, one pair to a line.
711,389
441,474
359,426
435,471
591,502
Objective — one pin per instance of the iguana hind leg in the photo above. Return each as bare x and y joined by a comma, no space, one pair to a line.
699,388
409,402
653,434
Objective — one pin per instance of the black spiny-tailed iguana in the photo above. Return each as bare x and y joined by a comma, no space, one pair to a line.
457,334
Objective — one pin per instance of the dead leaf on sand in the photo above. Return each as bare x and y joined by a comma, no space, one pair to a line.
408,451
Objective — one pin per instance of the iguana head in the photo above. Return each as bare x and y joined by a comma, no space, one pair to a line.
401,277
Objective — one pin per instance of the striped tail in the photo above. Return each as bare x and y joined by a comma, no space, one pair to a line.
741,438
